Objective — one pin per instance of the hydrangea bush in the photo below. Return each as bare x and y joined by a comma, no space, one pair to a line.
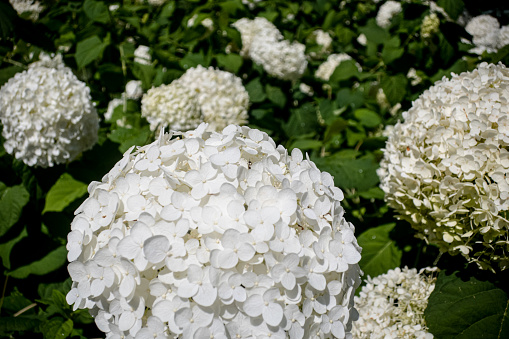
47,114
212,235
444,167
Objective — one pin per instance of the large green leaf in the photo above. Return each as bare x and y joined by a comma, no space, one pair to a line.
276,95
302,121
453,7
460,308
394,87
56,328
392,50
63,192
96,10
345,70
359,174
21,323
12,201
6,248
89,50
379,252
53,260
255,91
128,137
367,117
231,62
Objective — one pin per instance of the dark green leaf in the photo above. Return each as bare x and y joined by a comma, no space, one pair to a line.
452,7
367,117
460,308
12,201
128,137
57,328
53,260
394,87
9,72
96,10
336,127
379,251
346,97
6,248
359,174
255,90
374,33
16,324
302,121
391,50
63,192
345,70
89,50
7,16
145,73
276,95
15,302
46,290
193,60
373,193
231,62
305,144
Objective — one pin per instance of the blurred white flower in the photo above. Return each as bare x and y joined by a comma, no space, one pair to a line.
205,234
445,167
142,55
392,305
133,89
430,25
485,31
200,95
415,79
264,44
306,89
362,40
47,114
32,7
386,12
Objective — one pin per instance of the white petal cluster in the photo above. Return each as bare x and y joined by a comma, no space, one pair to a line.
142,55
323,39
200,95
264,44
133,89
392,305
215,235
326,69
430,25
445,168
34,8
47,114
487,34
386,12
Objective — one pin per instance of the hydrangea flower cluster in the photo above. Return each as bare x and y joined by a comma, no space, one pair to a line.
264,44
200,95
430,25
142,55
39,127
326,69
445,168
487,34
323,39
34,8
215,235
386,12
392,305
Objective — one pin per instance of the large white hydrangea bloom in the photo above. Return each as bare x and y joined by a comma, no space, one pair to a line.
200,95
484,30
392,305
47,114
34,8
215,235
445,168
386,12
264,44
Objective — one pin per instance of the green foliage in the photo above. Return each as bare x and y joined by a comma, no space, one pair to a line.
89,50
63,192
467,308
12,201
49,263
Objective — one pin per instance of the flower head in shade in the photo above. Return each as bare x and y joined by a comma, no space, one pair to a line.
445,166
392,305
386,12
33,8
47,114
200,95
205,234
142,55
264,44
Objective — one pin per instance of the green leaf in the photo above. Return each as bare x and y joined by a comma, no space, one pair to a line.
394,87
231,62
359,174
460,308
193,60
367,117
63,192
255,91
16,324
53,260
8,72
276,95
379,252
302,121
96,11
7,17
57,328
12,201
452,7
89,50
145,73
345,70
6,248
391,50
128,137
305,144
374,33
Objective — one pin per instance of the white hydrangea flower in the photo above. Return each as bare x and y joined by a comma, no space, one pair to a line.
386,12
485,30
323,39
133,89
445,167
205,94
34,8
430,25
326,69
142,55
264,44
362,40
205,234
306,89
415,79
392,305
47,114
503,37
